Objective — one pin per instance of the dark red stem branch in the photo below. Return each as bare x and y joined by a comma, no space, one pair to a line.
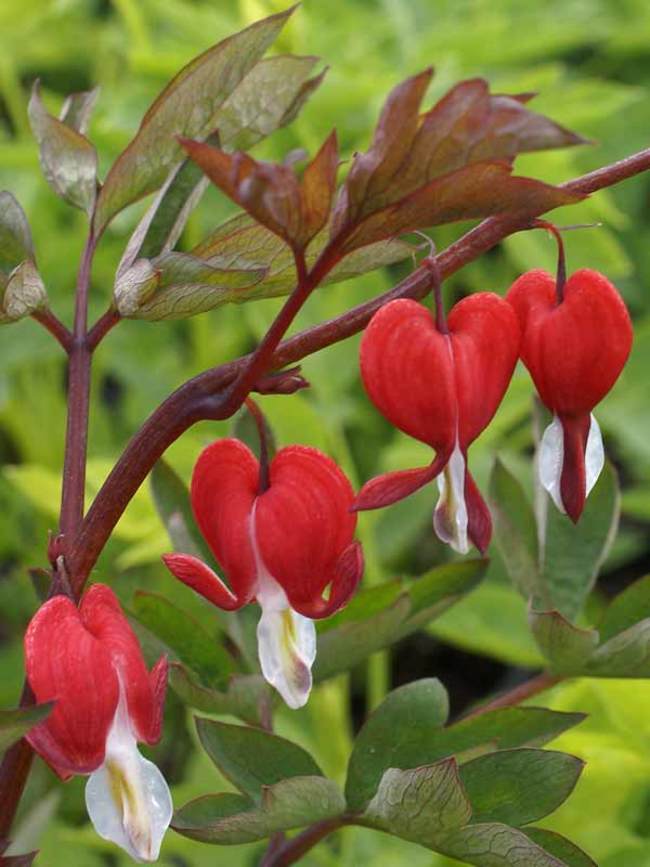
76,440
525,690
101,328
294,849
56,328
560,278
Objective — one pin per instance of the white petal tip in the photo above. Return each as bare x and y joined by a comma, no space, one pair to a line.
550,460
127,798
286,643
450,515
594,455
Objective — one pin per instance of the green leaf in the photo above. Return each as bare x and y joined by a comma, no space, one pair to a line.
495,845
515,529
342,648
68,159
565,646
397,735
188,106
627,609
557,845
502,729
625,655
184,286
228,819
419,804
519,786
242,242
15,235
185,637
172,501
269,98
376,618
439,588
245,696
252,758
15,723
573,554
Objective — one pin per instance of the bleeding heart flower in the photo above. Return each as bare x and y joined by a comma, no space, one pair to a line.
575,347
89,662
281,546
441,383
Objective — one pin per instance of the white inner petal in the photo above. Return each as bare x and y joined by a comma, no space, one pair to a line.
286,640
550,460
594,454
450,515
127,798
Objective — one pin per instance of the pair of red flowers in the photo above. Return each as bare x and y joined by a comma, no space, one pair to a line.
284,543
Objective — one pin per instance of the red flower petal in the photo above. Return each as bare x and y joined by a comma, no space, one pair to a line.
407,369
479,520
197,575
224,486
575,350
392,487
102,616
346,578
485,337
303,523
65,662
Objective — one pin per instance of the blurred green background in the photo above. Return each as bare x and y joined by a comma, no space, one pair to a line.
590,62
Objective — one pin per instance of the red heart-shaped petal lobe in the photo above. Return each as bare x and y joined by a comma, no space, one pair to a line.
224,487
486,338
102,616
433,385
65,662
575,350
303,523
407,370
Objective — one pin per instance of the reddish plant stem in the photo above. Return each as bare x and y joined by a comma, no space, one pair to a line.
525,690
294,849
56,328
76,440
101,328
15,768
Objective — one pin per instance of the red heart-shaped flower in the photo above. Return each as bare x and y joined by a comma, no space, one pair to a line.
442,388
575,349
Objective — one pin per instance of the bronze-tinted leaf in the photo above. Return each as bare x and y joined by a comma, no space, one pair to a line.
15,235
472,192
292,208
392,183
68,159
77,109
188,106
268,98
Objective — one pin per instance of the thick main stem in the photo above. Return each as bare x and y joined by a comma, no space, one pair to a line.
76,440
